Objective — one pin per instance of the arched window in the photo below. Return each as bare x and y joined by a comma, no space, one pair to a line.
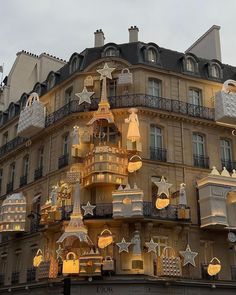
226,154
215,71
199,151
110,51
157,152
152,55
23,101
11,112
190,65
38,89
74,64
51,81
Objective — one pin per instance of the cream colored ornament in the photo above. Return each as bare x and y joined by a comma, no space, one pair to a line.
88,81
38,258
123,246
88,209
234,173
85,96
75,136
182,195
214,171
105,239
105,72
151,246
163,187
135,163
188,256
225,172
214,267
133,133
70,264
162,202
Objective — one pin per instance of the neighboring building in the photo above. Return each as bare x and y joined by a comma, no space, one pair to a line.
27,70
174,94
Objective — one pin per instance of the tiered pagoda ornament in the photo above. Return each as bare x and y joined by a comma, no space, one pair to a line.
163,193
13,213
133,134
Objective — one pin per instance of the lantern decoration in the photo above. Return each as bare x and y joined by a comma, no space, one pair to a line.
38,258
133,134
123,246
225,106
183,211
103,111
162,200
214,267
188,256
88,81
90,264
13,213
151,246
32,117
70,264
169,264
73,175
88,209
135,163
84,96
105,239
76,228
125,77
127,202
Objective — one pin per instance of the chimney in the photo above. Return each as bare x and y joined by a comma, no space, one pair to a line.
99,38
133,34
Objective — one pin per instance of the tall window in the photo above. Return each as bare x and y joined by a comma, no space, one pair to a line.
225,150
110,52
215,71
25,165
40,157
1,177
12,173
65,148
152,55
154,87
51,80
68,95
74,64
156,139
3,264
195,97
17,261
5,138
198,145
112,87
190,65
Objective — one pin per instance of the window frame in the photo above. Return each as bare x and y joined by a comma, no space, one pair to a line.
25,165
224,147
65,144
156,135
12,172
197,142
159,88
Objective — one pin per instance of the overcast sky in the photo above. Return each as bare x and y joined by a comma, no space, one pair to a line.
61,27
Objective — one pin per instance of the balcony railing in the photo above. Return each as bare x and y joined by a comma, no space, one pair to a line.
23,180
35,224
135,100
31,274
2,278
229,165
158,154
201,161
15,277
10,186
63,161
11,145
38,173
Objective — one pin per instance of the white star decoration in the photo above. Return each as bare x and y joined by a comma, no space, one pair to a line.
163,187
88,209
84,96
123,246
188,256
106,72
151,246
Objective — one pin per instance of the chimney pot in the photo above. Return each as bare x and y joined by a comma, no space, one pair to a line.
133,34
99,38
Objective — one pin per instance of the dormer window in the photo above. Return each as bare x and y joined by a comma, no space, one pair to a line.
215,71
37,89
110,52
190,65
74,64
152,55
51,80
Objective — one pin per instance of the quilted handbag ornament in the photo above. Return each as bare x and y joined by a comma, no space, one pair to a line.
135,163
108,263
32,117
73,175
169,264
105,239
214,267
125,77
43,270
38,258
71,264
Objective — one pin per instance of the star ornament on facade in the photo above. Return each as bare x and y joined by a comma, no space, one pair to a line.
188,256
85,96
163,187
123,246
151,246
105,72
88,209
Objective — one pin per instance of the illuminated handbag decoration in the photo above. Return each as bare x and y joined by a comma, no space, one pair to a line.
38,258
135,163
108,263
73,175
214,267
169,264
162,202
53,269
105,239
32,117
71,264
43,270
125,77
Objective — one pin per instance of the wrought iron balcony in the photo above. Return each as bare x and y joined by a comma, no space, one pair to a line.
23,180
135,100
2,278
229,165
31,274
35,223
10,186
63,161
11,145
15,277
158,154
38,173
201,161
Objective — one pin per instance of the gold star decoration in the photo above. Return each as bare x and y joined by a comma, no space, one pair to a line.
88,209
151,246
105,72
188,256
85,96
123,246
59,252
163,187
